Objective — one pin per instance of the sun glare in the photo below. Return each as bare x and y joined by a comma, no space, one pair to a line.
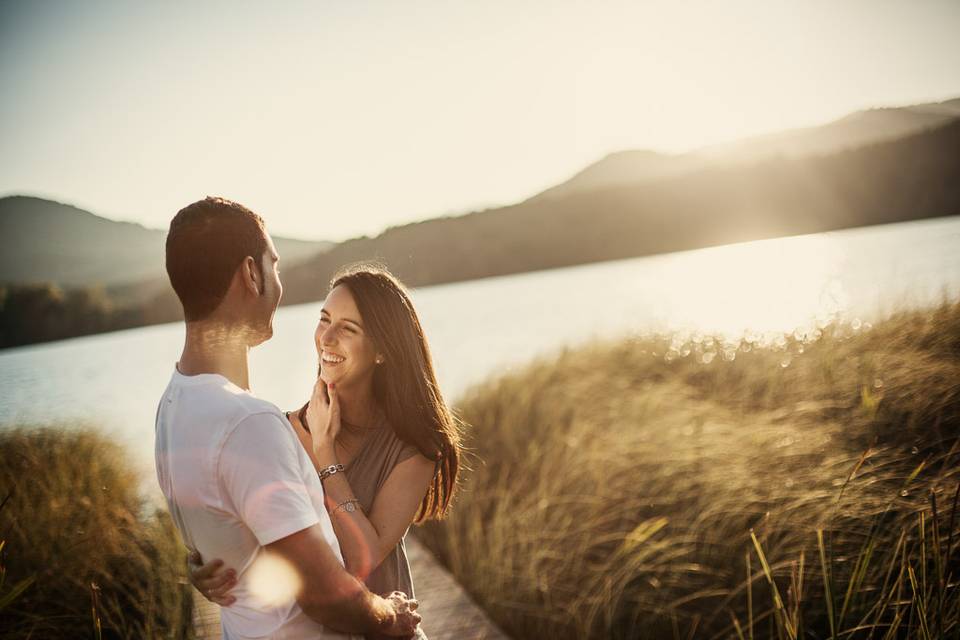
768,286
273,580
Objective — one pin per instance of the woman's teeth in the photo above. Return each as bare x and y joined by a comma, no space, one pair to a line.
331,359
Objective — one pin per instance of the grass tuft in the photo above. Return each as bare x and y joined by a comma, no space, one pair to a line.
94,559
618,489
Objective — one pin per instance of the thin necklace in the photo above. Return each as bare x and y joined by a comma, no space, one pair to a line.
358,428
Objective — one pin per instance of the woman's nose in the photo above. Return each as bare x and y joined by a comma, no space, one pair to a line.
328,335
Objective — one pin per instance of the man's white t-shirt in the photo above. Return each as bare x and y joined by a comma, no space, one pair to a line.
236,479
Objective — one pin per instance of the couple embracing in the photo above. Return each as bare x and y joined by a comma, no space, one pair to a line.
296,519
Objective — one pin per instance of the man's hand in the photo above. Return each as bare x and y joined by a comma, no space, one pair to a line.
405,624
211,579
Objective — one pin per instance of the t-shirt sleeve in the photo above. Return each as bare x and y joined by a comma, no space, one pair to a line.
262,476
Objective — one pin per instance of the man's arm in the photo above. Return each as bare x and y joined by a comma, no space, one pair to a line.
260,472
334,598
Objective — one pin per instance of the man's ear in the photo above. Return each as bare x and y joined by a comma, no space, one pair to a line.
251,276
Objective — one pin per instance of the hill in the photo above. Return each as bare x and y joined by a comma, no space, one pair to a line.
857,129
907,179
854,130
46,241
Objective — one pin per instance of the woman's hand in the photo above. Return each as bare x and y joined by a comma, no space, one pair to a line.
211,579
323,416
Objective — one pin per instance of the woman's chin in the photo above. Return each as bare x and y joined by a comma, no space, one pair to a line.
329,376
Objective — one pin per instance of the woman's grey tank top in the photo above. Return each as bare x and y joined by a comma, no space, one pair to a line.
367,472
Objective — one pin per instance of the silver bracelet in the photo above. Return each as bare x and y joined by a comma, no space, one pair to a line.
329,471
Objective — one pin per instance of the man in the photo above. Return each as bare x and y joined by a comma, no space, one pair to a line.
237,481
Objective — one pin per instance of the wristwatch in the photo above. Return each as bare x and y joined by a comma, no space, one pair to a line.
349,506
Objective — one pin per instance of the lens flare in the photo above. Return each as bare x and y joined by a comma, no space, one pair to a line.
273,580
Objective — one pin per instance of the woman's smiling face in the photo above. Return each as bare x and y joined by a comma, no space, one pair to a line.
347,354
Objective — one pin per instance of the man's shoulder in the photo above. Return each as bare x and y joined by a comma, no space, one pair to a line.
222,407
250,414
237,405
252,405
257,431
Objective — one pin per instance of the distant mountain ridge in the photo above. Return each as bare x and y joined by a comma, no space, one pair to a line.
905,179
854,130
47,241
52,242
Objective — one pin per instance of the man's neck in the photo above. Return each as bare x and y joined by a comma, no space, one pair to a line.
215,349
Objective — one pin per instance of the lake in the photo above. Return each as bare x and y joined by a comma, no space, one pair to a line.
486,327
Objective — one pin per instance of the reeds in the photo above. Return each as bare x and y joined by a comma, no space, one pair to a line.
788,489
88,557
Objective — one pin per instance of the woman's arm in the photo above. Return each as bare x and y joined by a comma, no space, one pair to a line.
365,539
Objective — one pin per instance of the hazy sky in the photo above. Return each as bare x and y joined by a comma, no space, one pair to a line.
335,119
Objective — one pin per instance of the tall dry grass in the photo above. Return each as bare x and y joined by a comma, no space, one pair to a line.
98,561
686,487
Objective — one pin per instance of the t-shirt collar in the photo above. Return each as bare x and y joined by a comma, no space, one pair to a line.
200,378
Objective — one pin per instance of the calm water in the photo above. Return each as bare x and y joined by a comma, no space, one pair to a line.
486,327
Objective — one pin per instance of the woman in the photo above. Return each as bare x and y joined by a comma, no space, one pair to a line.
377,429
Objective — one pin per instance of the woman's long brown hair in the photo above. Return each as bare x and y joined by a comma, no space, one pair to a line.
405,385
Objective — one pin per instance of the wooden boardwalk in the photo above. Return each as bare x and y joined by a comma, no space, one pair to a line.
448,612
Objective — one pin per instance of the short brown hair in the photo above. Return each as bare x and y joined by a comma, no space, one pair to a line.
206,243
